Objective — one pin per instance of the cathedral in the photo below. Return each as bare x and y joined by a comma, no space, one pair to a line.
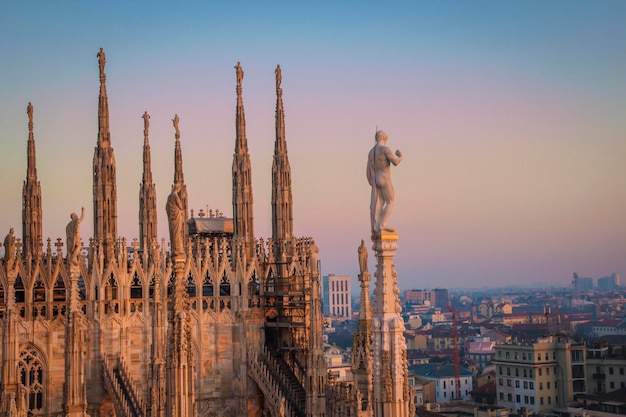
217,322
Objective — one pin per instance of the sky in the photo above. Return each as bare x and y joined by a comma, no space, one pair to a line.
511,117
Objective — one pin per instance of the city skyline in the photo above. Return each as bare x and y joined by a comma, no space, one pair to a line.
509,116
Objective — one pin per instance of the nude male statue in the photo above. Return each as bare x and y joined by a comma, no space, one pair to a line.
72,233
379,162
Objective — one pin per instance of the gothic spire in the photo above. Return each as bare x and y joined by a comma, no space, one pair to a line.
104,134
242,175
104,177
31,198
178,163
282,200
147,195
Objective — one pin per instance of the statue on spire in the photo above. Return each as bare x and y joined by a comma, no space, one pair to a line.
175,121
279,76
102,60
239,73
379,160
146,121
29,111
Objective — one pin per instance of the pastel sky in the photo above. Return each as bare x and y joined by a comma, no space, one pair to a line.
511,117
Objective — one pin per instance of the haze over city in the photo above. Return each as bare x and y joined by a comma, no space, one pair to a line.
510,116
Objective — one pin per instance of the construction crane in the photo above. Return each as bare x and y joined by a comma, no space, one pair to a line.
455,337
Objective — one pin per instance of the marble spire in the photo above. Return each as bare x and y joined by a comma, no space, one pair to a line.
104,177
31,199
178,166
243,217
282,200
147,195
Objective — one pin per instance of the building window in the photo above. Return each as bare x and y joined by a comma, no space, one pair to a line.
524,355
539,371
610,370
525,399
516,371
548,385
547,371
540,400
540,385
502,396
525,373
507,355
499,370
31,376
549,400
556,384
530,373
518,398
500,382
612,384
532,400
509,397
621,371
516,383
525,384
508,371
531,385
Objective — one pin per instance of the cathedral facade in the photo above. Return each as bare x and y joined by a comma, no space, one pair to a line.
217,323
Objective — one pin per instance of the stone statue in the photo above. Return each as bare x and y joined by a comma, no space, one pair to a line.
72,232
9,246
146,121
279,76
175,120
362,258
176,219
379,161
29,111
239,73
101,60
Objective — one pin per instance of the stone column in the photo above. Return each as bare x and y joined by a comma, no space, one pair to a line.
74,395
390,374
10,341
180,365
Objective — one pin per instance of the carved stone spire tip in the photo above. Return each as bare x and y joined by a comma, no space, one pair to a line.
101,60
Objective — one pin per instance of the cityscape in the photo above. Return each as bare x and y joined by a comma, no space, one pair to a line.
313,210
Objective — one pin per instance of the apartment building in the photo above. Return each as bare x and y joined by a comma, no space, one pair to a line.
539,376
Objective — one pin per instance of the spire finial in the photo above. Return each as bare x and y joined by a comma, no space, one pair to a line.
279,77
29,111
146,123
101,60
239,73
175,121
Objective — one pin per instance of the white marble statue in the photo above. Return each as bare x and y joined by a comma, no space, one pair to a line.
72,232
379,162
176,220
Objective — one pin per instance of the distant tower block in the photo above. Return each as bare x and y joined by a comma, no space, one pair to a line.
390,373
